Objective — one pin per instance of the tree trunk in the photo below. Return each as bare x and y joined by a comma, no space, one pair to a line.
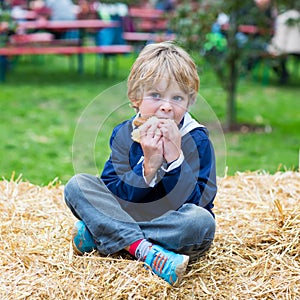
232,80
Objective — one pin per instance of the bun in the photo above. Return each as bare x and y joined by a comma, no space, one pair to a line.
139,121
135,134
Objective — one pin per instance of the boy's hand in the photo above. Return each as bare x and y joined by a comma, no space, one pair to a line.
171,139
152,144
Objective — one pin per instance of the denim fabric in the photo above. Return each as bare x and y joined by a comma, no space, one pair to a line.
189,230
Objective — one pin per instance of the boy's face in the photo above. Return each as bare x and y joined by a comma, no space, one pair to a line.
164,100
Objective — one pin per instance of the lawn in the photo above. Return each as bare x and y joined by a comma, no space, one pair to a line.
44,101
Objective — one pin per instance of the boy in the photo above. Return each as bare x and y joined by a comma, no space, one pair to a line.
155,195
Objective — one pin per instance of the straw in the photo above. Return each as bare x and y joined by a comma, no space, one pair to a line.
255,255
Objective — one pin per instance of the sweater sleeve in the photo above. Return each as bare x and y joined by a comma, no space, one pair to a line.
123,177
194,181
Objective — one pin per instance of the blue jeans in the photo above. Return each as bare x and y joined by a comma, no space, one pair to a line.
189,230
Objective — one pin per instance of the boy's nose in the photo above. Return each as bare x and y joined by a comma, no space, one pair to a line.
166,106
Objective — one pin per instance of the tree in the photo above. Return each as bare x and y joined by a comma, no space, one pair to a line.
228,50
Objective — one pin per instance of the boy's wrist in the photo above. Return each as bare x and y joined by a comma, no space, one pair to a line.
149,175
171,160
169,166
149,171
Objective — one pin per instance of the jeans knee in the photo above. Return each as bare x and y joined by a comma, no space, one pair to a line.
202,223
74,192
200,229
72,187
210,225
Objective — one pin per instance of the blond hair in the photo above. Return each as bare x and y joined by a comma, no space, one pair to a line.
162,61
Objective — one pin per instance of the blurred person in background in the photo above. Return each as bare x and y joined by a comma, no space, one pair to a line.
63,10
286,39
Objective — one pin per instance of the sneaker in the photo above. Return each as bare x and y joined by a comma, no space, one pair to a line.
82,239
168,265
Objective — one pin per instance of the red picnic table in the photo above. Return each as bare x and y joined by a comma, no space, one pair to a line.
36,46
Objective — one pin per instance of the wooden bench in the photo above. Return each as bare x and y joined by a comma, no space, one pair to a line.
111,49
149,25
147,36
148,19
62,50
32,38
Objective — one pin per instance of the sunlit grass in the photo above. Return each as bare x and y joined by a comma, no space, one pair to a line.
43,98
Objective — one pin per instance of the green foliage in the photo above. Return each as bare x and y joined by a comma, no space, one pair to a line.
194,30
284,5
5,16
293,22
215,42
225,48
191,25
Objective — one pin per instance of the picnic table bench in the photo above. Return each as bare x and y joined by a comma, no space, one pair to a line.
148,19
148,25
62,50
43,43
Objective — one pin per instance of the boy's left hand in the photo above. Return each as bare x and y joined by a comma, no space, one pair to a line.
171,139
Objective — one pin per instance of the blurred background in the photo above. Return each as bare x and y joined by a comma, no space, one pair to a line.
56,57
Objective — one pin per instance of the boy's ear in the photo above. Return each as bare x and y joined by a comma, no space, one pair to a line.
192,101
135,105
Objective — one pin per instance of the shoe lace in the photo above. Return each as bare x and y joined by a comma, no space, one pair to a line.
159,262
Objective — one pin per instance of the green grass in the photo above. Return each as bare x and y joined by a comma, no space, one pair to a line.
42,100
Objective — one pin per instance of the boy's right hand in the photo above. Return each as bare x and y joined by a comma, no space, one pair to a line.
152,145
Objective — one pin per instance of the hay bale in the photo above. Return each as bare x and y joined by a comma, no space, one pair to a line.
256,253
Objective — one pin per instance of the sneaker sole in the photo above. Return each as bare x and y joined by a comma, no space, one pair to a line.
180,270
74,233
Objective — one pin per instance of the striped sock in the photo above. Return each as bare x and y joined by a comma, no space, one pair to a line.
133,247
142,250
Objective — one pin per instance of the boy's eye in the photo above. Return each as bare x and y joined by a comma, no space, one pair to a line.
177,98
155,96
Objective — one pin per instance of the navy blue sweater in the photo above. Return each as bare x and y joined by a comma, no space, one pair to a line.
194,181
